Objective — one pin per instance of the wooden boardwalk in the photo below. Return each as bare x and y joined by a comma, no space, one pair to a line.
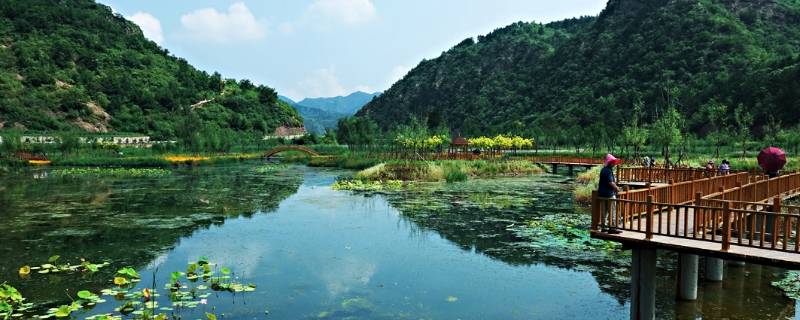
746,222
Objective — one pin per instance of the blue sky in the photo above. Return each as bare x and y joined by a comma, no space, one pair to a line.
313,48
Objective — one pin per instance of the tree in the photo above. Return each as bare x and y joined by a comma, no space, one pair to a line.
744,120
773,133
11,142
69,142
356,131
717,114
666,131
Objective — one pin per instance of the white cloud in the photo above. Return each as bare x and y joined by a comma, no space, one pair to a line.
323,83
349,12
237,24
150,26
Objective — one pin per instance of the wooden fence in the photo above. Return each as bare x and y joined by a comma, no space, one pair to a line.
749,215
663,175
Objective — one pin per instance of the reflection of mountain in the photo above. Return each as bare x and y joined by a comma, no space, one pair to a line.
482,216
125,221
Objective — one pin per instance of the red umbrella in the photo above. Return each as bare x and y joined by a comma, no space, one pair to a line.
772,159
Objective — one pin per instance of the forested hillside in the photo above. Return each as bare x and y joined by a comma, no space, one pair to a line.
586,77
75,64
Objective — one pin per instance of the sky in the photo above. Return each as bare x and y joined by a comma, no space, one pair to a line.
325,48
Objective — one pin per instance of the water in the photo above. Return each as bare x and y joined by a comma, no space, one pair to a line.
484,249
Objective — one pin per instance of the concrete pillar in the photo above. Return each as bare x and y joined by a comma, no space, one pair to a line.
714,269
643,284
687,276
736,263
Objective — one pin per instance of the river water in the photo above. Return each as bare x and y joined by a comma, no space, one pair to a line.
511,248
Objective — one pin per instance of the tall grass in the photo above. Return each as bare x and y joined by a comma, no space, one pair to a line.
446,170
585,183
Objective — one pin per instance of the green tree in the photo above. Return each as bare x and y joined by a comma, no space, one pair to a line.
744,120
717,114
69,142
666,131
634,134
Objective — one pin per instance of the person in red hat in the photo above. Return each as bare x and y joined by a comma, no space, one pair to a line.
608,188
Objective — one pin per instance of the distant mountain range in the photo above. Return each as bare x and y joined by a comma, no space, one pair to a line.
323,113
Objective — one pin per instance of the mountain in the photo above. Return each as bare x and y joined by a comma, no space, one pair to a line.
588,73
316,120
320,114
348,105
75,64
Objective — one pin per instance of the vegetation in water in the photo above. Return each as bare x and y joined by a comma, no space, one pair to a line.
790,284
446,170
186,289
111,172
367,186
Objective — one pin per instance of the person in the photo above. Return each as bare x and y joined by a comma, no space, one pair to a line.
725,167
710,168
646,161
608,188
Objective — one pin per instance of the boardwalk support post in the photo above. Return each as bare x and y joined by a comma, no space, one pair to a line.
643,284
726,226
714,269
649,226
687,276
772,221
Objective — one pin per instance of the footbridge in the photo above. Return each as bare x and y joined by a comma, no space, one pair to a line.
285,148
567,161
736,217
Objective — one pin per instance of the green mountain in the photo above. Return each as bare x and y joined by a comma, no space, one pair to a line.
320,114
75,64
589,73
315,120
349,104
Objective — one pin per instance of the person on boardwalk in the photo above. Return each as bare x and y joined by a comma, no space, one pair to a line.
608,188
725,167
710,168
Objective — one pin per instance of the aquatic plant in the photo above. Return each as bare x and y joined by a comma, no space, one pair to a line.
52,266
271,168
446,170
186,290
110,172
367,186
790,285
12,304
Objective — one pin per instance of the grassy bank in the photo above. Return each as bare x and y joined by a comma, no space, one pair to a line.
585,183
445,170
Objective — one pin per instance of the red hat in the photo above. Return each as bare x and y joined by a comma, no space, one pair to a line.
610,159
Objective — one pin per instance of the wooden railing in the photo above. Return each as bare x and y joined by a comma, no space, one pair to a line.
663,175
682,193
749,214
566,160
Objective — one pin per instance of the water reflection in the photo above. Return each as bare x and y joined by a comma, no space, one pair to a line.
125,221
462,250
